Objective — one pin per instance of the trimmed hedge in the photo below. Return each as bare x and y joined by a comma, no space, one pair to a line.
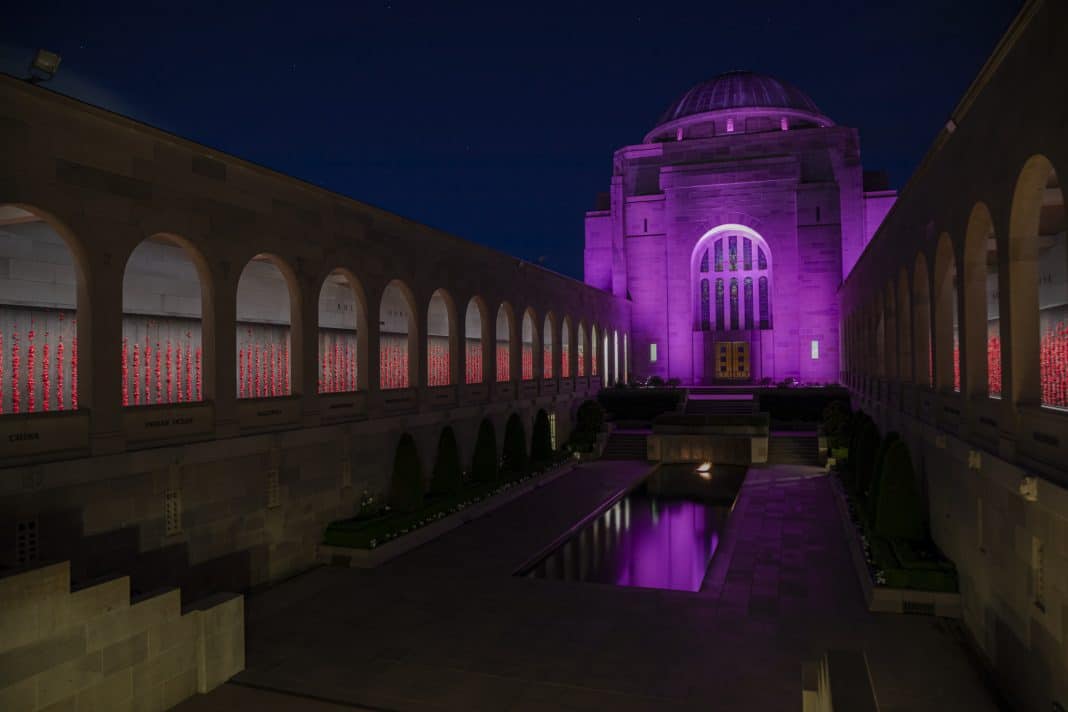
484,460
639,403
805,404
871,496
863,450
931,573
514,458
406,483
447,477
541,446
899,511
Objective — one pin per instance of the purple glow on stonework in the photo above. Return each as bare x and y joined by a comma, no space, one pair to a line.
663,534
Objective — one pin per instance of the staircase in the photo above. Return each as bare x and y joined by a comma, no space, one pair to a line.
625,446
698,405
800,449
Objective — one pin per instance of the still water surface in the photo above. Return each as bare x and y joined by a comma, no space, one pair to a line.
662,534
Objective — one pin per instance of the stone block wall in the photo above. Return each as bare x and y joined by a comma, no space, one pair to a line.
95,649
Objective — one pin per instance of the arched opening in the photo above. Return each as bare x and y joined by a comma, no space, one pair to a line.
530,337
473,344
163,291
730,270
505,329
890,331
397,337
342,334
565,348
265,303
879,347
440,336
43,298
593,350
406,482
447,477
904,327
541,448
514,457
604,358
923,353
547,330
626,358
1038,273
580,351
946,318
615,356
981,312
484,460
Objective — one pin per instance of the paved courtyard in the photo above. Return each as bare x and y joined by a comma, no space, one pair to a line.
447,627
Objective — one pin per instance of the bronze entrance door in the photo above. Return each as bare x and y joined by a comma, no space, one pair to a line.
732,360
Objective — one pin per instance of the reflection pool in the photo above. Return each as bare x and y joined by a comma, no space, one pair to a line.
661,534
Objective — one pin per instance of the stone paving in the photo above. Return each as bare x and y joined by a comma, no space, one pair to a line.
447,627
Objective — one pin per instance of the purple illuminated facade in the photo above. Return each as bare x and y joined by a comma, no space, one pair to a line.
730,228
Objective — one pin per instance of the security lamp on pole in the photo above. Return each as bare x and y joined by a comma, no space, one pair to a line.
45,62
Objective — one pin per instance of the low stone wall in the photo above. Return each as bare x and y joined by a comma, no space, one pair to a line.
722,439
94,649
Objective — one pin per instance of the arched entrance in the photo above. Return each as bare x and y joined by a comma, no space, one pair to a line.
731,277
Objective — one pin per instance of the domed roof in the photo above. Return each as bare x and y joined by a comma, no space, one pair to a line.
735,90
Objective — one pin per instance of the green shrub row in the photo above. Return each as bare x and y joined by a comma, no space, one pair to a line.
881,483
639,403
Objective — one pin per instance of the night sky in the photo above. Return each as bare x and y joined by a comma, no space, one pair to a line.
496,121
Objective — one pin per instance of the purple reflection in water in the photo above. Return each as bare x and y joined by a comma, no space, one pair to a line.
663,534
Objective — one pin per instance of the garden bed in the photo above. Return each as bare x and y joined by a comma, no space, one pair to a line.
369,542
896,576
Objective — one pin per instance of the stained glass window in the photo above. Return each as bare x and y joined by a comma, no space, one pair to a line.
748,295
719,304
704,305
732,253
734,304
747,255
719,255
765,306
762,262
704,262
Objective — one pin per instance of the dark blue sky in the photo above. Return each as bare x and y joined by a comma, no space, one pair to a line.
496,121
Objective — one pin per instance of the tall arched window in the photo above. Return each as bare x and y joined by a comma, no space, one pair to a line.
705,315
946,317
721,324
565,348
547,347
904,327
982,325
396,336
923,353
604,358
626,358
162,353
593,350
615,356
39,302
342,324
439,338
765,305
264,308
1038,272
529,337
737,304
504,343
734,303
748,301
580,351
473,342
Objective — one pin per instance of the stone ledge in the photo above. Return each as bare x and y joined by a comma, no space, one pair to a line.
371,558
107,653
882,599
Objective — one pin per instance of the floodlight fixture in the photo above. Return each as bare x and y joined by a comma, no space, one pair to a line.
44,63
